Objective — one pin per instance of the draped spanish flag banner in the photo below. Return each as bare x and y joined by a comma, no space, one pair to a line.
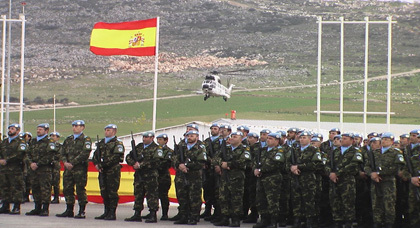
136,38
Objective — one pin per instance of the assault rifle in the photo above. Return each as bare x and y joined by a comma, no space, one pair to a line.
374,168
333,170
225,172
178,150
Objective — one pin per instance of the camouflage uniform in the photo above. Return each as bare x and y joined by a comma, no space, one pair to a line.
164,179
42,153
209,183
251,183
108,157
285,190
325,211
76,151
343,193
273,162
384,193
308,161
12,184
56,171
413,203
146,177
189,184
232,181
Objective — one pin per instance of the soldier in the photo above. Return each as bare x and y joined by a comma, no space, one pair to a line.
232,160
75,156
358,139
245,130
291,135
27,136
327,145
56,169
263,137
145,160
41,153
268,167
342,166
382,166
12,154
304,161
209,184
251,181
190,160
107,157
316,142
404,141
164,179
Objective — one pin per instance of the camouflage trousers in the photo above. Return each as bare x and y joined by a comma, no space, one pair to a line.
12,185
189,193
56,175
41,184
231,195
284,196
268,194
209,186
75,177
303,196
343,199
383,205
146,186
164,181
414,207
109,183
401,204
363,202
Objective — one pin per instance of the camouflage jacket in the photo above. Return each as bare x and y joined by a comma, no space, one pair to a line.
411,151
165,153
272,162
387,164
13,153
194,158
346,164
309,160
147,157
236,159
108,155
42,152
76,151
326,147
415,163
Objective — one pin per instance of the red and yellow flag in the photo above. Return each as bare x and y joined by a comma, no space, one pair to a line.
137,38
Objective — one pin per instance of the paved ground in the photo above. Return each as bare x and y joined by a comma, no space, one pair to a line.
92,210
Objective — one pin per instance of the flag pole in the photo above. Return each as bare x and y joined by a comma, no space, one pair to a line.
54,112
156,75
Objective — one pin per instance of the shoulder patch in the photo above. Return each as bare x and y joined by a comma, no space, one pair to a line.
247,155
203,146
160,152
359,157
52,146
278,156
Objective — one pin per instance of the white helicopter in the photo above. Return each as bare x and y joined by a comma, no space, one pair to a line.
212,87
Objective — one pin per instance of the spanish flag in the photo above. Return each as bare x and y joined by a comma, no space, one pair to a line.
136,38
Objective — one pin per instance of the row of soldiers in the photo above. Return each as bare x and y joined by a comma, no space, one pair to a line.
281,177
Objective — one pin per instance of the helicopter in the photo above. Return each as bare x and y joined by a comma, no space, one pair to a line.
212,87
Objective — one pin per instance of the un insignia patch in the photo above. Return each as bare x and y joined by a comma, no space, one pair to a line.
52,146
22,147
88,146
400,158
247,155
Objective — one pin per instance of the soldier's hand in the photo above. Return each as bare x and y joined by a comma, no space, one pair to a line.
183,168
257,172
217,170
3,162
34,166
98,168
415,181
375,177
136,165
333,177
68,165
224,165
295,170
363,175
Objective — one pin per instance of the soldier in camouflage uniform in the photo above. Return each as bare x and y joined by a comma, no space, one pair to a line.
342,167
304,161
12,153
233,162
252,180
145,160
41,153
291,136
268,167
107,157
56,170
189,196
164,179
285,191
414,191
27,136
75,156
382,169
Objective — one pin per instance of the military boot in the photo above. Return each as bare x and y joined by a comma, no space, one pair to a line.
81,214
265,221
111,214
182,220
165,210
146,216
282,221
297,223
5,209
273,223
135,218
223,222
68,213
236,222
45,209
35,211
16,209
56,198
193,220
106,211
152,218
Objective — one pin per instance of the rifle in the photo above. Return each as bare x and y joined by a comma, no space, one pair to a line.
374,168
179,151
100,160
224,155
259,158
411,170
333,170
211,149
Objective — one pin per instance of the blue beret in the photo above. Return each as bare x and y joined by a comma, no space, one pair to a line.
78,123
253,134
318,135
44,125
388,135
282,133
335,129
15,125
192,132
293,129
315,139
337,137
195,126
375,139
148,134
237,133
397,141
348,134
28,133
415,131
305,133
225,126
268,131
215,125
112,126
55,133
357,135
165,136
374,134
275,135
240,128
405,136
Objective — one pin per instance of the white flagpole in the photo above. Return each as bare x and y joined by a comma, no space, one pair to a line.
54,113
156,75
